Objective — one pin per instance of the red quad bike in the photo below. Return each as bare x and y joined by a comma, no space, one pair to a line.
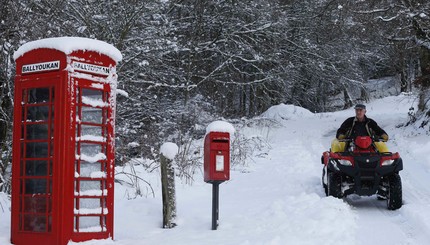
361,169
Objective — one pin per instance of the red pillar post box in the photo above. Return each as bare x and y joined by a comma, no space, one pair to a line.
217,161
63,141
217,157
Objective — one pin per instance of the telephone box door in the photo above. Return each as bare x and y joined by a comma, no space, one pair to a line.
92,168
36,105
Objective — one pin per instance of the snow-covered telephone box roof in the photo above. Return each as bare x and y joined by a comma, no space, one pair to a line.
68,45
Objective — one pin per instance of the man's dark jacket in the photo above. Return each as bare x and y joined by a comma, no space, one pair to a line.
352,128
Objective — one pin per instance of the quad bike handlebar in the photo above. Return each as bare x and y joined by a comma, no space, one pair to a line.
374,139
364,143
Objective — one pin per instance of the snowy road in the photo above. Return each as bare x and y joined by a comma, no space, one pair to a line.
410,224
278,199
369,220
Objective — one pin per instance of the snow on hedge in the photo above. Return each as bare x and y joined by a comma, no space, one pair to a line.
286,112
68,45
169,150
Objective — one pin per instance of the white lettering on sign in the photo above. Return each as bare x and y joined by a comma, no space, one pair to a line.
79,66
219,163
45,66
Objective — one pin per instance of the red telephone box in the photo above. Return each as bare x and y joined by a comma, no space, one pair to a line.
63,141
217,157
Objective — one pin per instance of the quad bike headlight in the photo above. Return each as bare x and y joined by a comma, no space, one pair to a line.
345,162
387,162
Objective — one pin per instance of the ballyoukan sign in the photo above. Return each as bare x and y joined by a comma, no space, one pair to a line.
79,66
45,66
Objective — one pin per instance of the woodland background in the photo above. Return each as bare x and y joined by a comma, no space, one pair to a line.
188,62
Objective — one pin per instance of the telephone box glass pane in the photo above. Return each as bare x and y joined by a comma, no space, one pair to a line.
92,115
37,150
90,224
89,203
37,113
88,168
35,186
36,168
35,223
90,188
93,94
91,130
35,204
38,95
90,149
37,131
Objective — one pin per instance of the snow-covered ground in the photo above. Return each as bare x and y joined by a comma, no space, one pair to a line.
278,199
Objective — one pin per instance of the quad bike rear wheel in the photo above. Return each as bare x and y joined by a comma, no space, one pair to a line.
394,194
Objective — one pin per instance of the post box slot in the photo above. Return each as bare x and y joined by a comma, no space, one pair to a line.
220,140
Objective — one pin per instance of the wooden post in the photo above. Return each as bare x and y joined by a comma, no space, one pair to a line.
168,192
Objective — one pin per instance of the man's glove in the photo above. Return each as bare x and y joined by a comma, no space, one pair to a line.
384,137
342,136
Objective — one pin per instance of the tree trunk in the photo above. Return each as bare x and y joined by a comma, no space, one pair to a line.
403,81
347,98
424,79
168,192
363,95
423,99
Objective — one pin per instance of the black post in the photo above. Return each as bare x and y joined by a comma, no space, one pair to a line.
215,204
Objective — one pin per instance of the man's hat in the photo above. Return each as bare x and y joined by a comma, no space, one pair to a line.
360,106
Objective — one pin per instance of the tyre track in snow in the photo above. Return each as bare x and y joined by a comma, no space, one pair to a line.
416,196
300,199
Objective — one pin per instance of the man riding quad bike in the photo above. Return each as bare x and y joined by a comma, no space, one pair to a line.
359,162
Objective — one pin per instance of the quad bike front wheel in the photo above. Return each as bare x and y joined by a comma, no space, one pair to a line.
394,192
324,182
334,184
